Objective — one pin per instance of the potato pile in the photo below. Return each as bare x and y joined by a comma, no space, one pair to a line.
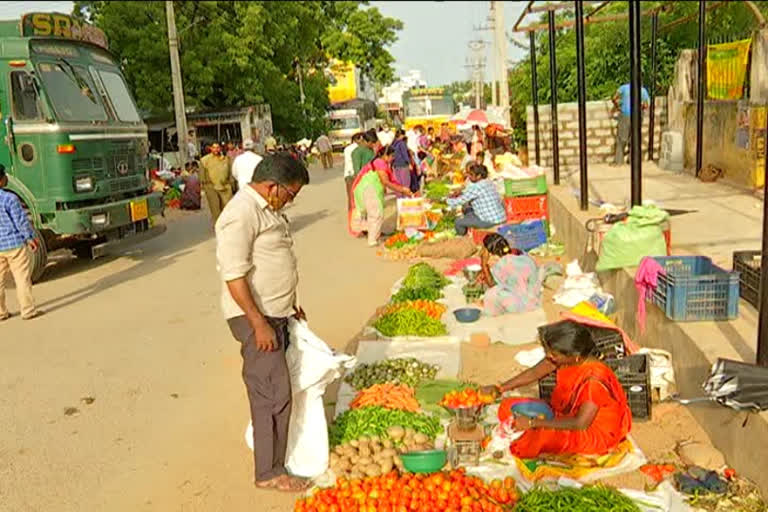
374,456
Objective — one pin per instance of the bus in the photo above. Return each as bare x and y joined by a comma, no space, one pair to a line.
73,142
428,107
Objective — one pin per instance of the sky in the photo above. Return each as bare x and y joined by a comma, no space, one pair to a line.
434,37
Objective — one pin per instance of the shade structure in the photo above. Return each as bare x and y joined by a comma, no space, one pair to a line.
481,118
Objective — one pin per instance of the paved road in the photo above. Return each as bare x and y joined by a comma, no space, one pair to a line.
127,395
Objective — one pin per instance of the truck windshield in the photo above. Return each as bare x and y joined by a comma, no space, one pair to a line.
120,97
345,123
71,92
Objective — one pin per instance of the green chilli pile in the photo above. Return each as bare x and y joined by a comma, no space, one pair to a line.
406,370
585,499
409,322
375,421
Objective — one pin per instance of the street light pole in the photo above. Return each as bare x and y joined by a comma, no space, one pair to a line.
178,89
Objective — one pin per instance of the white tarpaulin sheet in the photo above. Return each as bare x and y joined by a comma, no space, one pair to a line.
445,352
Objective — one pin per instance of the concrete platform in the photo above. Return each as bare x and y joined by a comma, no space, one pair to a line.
727,220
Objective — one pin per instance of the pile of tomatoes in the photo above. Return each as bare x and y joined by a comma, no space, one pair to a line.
465,398
436,492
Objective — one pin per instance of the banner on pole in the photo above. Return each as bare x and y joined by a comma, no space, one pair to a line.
726,69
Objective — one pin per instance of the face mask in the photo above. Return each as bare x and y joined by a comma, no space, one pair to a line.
274,199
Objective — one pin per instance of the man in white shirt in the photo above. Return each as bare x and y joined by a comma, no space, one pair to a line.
386,137
349,170
191,146
244,164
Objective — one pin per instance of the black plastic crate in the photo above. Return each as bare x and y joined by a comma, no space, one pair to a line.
634,375
609,342
747,263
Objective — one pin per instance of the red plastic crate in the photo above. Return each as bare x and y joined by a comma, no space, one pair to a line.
523,208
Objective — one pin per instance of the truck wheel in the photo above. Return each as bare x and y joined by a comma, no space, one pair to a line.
39,257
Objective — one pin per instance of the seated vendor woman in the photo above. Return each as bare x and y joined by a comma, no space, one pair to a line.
482,204
591,412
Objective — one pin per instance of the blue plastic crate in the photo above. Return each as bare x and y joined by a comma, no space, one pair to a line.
694,289
525,235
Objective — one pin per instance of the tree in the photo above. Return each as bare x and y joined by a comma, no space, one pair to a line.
241,53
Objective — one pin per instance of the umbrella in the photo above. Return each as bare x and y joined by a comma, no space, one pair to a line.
740,386
481,118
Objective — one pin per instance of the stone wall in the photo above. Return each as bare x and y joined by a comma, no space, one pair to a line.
601,133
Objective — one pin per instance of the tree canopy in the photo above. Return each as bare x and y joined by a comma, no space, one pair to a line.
607,51
242,53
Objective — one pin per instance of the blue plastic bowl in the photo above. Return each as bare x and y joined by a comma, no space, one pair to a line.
533,409
467,315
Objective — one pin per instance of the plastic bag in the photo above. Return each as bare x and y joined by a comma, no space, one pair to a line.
627,243
411,213
312,365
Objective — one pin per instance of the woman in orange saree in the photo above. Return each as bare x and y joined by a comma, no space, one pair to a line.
592,415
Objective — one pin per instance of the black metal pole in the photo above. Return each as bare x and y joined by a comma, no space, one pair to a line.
535,95
553,99
636,115
582,86
762,327
652,113
702,81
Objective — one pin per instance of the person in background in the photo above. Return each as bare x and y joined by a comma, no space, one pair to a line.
482,204
17,239
364,152
257,265
477,140
324,146
270,144
592,416
445,133
622,103
430,137
368,196
190,197
349,169
427,167
191,146
402,161
244,164
469,160
386,136
216,180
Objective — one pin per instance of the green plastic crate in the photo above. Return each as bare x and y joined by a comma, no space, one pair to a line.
525,186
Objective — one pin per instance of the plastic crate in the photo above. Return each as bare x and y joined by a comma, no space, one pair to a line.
519,209
609,342
694,289
525,186
634,376
747,264
478,235
525,235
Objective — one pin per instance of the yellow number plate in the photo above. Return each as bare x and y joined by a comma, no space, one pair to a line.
139,210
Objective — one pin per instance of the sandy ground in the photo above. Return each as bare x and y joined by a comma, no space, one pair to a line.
127,395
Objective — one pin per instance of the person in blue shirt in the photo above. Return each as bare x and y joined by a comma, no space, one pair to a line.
16,237
622,104
483,207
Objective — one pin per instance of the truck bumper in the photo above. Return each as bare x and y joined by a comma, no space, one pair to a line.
80,221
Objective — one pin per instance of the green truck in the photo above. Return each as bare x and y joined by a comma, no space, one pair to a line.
71,138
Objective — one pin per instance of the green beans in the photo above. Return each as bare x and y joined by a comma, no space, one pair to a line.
374,421
596,498
409,322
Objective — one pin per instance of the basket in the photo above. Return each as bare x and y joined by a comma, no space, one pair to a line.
525,235
519,209
525,186
747,264
634,376
694,289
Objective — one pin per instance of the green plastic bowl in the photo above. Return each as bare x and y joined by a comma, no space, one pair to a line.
428,461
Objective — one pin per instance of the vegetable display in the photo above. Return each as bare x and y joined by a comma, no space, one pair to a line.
409,322
365,456
585,499
406,294
436,190
374,421
436,492
423,275
468,397
408,371
388,396
430,307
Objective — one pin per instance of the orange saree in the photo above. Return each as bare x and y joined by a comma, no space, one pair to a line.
591,381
